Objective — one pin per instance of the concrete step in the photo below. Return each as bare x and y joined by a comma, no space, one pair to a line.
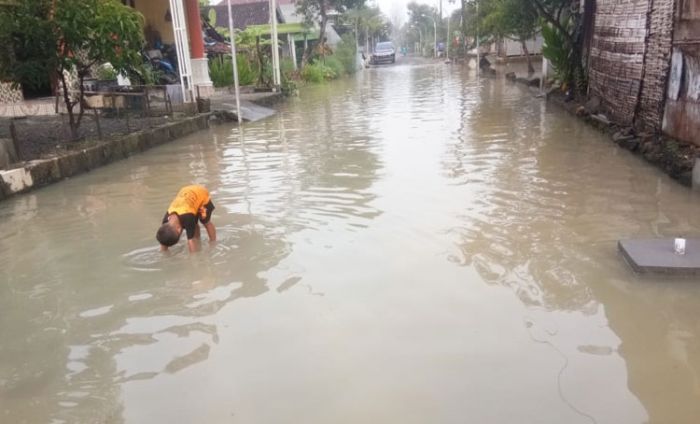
250,111
658,255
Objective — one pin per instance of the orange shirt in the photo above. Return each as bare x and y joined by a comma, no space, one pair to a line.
190,199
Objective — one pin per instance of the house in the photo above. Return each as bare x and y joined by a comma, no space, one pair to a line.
179,23
644,63
174,22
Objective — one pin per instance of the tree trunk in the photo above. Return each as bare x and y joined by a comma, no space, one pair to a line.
321,34
81,99
530,69
69,107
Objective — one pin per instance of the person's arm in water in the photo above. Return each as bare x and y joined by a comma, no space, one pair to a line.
194,243
211,232
205,219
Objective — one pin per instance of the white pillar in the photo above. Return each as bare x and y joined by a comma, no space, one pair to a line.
277,80
182,48
232,34
292,49
201,79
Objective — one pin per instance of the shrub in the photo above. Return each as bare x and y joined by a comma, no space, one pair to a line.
221,71
317,72
106,72
346,53
556,48
246,73
287,68
332,63
313,73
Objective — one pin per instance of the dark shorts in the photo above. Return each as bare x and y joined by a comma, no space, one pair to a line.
189,221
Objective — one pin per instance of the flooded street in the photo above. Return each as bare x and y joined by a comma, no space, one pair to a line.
413,245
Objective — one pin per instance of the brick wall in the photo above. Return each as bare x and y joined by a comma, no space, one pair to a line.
657,63
617,56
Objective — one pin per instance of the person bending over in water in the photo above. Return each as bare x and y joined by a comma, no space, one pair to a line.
191,206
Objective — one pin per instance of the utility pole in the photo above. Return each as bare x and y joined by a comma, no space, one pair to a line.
434,33
447,40
276,79
478,52
232,35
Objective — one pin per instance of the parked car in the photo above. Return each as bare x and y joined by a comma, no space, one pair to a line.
384,52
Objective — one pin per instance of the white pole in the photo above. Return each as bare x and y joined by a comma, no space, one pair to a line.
447,41
275,47
478,53
292,49
435,36
235,63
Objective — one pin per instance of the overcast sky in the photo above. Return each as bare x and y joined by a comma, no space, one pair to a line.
394,9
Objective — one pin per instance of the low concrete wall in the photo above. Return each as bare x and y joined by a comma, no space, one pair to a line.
7,153
38,173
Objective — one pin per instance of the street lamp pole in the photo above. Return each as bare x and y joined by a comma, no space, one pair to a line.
420,41
236,85
448,39
478,52
434,34
435,41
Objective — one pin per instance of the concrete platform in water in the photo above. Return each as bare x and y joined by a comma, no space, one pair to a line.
658,255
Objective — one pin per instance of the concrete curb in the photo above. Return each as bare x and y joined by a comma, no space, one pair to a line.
42,172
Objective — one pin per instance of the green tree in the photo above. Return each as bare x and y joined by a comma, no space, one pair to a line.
513,19
368,21
58,37
424,19
563,38
317,10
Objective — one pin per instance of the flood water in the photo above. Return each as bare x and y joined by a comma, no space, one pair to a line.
413,245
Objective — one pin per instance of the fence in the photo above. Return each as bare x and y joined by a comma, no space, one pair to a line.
40,128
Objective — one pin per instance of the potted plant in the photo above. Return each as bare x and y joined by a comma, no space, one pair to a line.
106,78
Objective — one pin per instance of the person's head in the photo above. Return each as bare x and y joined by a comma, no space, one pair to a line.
168,235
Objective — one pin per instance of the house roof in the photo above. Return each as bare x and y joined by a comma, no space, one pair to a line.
289,13
244,14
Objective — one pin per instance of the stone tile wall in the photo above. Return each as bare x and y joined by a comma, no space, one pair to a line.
9,95
617,56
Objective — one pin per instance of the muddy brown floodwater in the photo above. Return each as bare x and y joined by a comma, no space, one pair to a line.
413,245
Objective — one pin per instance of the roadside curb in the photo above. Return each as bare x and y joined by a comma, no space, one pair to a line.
41,172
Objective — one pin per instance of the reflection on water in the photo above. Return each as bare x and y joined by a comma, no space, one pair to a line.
413,245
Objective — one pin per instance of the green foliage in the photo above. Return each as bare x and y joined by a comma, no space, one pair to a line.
221,71
317,72
25,49
286,68
511,18
246,73
346,53
147,74
558,51
53,37
332,63
289,76
106,73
